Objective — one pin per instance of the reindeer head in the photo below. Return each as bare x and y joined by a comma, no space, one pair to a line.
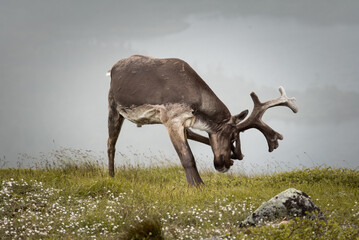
226,144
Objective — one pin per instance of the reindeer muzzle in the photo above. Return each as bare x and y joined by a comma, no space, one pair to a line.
222,165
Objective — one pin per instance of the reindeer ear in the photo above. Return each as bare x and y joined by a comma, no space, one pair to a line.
239,117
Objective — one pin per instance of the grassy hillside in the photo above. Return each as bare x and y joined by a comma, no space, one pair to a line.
76,199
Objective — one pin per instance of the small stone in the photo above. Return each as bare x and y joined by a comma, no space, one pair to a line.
289,203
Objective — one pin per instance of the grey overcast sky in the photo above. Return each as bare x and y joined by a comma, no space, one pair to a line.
54,56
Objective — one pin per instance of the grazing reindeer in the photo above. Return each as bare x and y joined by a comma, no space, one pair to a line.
147,90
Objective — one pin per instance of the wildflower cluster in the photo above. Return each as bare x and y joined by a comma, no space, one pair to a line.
29,209
219,218
21,208
80,202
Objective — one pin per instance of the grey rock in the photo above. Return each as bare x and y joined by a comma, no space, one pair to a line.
289,203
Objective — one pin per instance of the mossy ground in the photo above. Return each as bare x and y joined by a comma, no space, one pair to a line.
75,199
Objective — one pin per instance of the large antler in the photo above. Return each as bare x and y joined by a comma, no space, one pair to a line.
255,120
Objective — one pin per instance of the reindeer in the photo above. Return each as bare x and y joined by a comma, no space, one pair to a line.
147,90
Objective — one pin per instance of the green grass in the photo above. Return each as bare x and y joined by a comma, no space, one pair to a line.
73,198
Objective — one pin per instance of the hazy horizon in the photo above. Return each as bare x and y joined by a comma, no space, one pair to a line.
54,56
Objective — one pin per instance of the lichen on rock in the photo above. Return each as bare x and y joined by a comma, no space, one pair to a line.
289,203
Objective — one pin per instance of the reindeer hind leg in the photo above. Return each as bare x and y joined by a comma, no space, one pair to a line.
115,121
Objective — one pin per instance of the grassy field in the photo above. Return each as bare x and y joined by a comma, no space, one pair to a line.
74,198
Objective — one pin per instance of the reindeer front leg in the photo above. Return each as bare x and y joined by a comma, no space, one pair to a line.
205,140
179,141
196,137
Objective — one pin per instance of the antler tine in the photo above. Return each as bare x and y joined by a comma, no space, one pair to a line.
255,118
283,100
